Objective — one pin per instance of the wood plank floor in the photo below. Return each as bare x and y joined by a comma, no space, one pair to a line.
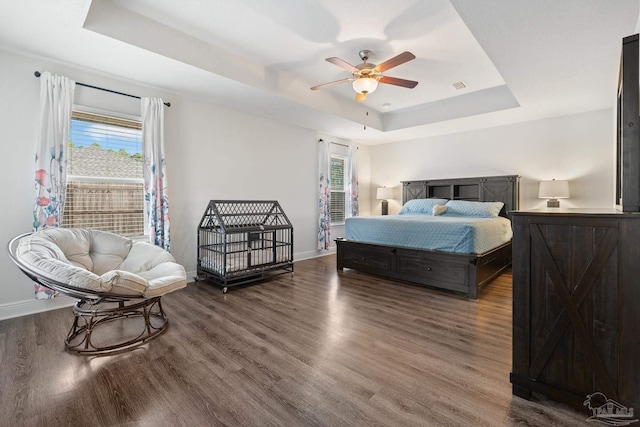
320,348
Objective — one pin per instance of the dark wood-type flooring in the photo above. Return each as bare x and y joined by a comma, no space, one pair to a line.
319,348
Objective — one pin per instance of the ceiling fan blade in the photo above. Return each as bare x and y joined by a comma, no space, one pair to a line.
330,84
394,62
398,82
340,63
360,97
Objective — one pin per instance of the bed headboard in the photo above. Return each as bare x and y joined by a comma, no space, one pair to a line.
482,189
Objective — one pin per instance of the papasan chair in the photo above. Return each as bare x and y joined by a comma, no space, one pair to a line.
117,281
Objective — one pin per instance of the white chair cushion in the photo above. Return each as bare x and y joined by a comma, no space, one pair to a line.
46,259
143,257
102,262
163,278
124,283
108,251
96,251
157,267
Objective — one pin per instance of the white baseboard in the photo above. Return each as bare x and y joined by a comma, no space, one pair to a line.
300,256
313,254
23,308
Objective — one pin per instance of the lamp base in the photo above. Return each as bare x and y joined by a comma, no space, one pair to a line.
553,203
385,207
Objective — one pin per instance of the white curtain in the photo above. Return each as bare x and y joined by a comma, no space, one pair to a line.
155,175
56,102
324,196
353,181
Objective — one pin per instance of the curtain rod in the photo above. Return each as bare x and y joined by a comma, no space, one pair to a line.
168,104
337,143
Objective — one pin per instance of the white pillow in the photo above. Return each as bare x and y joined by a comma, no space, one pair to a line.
421,206
475,209
439,210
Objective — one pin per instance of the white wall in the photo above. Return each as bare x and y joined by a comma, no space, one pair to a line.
216,153
578,148
211,152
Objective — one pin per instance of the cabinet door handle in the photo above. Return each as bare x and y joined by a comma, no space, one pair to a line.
428,268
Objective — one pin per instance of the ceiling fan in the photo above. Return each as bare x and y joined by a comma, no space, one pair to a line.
367,76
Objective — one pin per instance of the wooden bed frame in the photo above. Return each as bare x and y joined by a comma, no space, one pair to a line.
462,273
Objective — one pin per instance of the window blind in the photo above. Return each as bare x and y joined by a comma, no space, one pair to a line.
338,199
105,185
337,206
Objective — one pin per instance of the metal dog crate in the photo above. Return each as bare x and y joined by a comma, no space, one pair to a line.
243,241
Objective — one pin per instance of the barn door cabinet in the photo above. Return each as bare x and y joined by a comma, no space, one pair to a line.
576,305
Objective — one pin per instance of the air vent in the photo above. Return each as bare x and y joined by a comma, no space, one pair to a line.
459,85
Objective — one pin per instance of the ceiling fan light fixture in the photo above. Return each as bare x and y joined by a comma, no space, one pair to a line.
365,85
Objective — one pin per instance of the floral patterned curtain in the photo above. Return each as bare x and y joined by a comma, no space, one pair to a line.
155,175
324,196
56,102
353,181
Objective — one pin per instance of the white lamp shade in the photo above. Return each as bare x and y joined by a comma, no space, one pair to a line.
384,193
554,189
365,85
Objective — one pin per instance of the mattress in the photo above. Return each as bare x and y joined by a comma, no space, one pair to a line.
458,234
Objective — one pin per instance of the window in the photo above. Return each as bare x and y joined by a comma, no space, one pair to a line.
105,183
338,193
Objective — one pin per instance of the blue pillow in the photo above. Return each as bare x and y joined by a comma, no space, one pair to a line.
421,206
475,209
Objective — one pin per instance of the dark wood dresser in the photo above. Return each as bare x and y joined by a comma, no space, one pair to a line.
576,305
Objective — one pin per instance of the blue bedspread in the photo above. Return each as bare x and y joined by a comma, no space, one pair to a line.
444,233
